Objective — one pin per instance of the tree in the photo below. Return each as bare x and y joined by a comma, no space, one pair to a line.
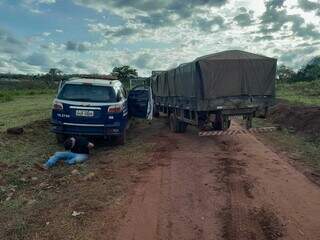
311,71
285,74
124,73
53,73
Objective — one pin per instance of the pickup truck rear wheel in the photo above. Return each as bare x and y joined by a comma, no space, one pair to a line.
61,137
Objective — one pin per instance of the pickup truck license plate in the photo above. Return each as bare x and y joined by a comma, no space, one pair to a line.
84,113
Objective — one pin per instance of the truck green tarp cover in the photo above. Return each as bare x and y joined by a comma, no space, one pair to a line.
224,74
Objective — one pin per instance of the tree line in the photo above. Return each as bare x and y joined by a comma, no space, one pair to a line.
54,75
309,72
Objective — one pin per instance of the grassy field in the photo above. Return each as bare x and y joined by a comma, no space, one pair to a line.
303,150
7,95
37,204
300,93
22,102
25,108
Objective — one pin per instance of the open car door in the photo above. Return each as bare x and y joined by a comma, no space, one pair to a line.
140,102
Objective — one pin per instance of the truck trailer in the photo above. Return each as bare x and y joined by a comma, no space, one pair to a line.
209,90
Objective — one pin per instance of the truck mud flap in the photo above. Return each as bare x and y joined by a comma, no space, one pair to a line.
237,131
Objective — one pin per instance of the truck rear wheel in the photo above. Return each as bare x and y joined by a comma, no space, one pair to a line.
182,127
221,122
156,112
249,121
176,125
173,123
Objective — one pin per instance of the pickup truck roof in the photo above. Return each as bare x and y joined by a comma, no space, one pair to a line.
100,82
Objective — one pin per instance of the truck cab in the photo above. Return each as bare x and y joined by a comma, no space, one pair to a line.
90,107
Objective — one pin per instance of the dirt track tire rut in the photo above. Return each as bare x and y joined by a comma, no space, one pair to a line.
224,187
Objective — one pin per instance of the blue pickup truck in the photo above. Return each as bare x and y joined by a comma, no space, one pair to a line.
94,107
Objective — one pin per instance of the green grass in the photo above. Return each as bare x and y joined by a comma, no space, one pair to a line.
21,220
25,108
10,95
307,93
304,150
34,145
10,89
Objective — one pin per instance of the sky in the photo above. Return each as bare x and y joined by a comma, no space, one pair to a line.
93,36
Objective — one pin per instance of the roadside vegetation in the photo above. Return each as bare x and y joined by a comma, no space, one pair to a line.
307,93
24,109
11,89
302,86
302,149
22,102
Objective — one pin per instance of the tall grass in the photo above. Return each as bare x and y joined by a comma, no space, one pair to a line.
10,95
10,89
307,93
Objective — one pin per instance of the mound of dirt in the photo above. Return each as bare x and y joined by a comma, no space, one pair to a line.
302,119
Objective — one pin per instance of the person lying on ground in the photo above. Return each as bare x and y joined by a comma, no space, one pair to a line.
77,151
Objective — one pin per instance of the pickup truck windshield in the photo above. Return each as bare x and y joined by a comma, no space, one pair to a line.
87,93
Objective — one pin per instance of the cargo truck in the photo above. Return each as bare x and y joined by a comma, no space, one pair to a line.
208,91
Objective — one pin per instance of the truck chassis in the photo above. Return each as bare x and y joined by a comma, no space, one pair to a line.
180,118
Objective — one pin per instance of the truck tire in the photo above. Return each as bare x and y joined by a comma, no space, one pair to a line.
221,122
262,113
156,112
182,127
61,137
228,124
266,112
176,125
173,123
218,123
249,122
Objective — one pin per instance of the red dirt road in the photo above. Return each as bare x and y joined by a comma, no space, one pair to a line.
223,187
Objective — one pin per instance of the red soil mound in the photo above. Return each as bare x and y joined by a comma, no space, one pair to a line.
302,119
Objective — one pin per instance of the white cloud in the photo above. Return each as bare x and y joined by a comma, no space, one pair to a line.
46,34
157,35
34,5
